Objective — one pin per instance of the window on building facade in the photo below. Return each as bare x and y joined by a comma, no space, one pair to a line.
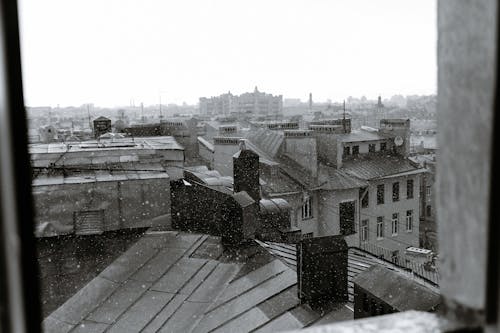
429,210
364,230
347,216
409,220
347,151
307,209
409,189
355,150
371,148
394,224
383,146
428,190
380,194
395,191
364,196
380,227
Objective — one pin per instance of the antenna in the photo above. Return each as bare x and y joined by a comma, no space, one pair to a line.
343,121
90,123
161,117
142,112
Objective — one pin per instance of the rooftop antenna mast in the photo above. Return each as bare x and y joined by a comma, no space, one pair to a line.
161,116
90,122
343,121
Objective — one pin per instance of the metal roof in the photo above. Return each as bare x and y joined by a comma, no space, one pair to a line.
297,172
155,142
331,178
377,166
179,282
361,135
358,261
147,171
279,183
266,140
274,206
397,290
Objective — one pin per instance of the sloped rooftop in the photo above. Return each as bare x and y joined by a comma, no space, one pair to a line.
377,166
358,262
178,282
331,178
266,140
402,294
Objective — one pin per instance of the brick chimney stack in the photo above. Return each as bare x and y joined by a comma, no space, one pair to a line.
246,172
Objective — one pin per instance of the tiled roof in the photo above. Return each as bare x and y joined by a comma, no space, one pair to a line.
376,166
178,282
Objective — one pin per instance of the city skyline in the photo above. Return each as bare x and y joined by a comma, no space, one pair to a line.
112,53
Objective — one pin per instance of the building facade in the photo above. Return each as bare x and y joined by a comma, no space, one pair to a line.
255,103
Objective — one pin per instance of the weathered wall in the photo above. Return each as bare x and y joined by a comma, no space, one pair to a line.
303,151
206,155
327,147
466,83
329,216
223,157
133,202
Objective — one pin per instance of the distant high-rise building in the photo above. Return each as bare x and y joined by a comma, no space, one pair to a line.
256,102
310,101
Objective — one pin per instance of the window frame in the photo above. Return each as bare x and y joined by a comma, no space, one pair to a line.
395,192
364,230
307,211
380,227
410,194
409,220
394,224
365,200
380,194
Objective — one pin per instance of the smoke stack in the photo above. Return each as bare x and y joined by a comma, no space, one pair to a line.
246,172
322,270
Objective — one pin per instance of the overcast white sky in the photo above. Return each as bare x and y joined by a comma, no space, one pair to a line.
108,52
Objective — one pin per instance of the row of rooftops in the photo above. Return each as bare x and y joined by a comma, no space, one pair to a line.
154,142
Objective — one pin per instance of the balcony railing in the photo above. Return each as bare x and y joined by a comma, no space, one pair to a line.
427,271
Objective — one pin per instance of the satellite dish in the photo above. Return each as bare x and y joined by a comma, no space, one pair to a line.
398,141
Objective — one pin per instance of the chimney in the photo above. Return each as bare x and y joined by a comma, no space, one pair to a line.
300,146
224,150
322,270
246,172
